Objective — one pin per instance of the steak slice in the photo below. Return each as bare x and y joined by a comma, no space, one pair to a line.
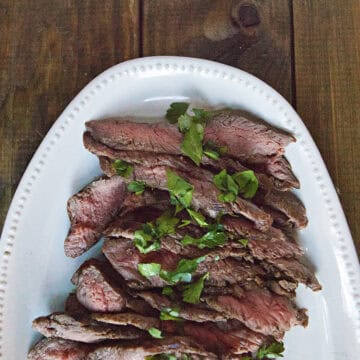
296,270
272,244
246,137
180,162
125,259
90,211
172,345
73,307
205,195
190,312
285,202
260,310
83,330
136,320
225,338
96,290
59,349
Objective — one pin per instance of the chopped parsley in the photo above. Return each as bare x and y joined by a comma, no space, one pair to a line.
272,351
170,314
155,333
244,183
137,187
244,242
122,168
192,292
175,110
216,236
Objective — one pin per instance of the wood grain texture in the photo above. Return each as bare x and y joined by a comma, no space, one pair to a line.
252,35
327,68
49,51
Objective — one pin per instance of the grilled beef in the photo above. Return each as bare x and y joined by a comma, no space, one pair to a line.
197,313
136,320
172,345
246,137
90,211
73,307
96,290
59,349
83,329
225,338
205,195
260,310
180,162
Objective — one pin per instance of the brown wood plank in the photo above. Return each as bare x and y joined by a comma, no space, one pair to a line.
327,64
253,35
48,51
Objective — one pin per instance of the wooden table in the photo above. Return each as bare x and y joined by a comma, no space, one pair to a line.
309,50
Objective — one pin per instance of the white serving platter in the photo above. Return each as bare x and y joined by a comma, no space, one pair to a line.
35,274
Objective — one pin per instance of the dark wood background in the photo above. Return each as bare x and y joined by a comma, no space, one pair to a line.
309,50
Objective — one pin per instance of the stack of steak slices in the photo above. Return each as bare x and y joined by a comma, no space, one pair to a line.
186,278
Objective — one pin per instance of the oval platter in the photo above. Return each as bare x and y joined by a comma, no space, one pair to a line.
35,274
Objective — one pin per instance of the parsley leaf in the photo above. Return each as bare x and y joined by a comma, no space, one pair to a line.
168,291
192,143
162,357
184,223
192,292
137,187
197,217
271,351
175,111
216,236
122,168
244,242
149,270
148,239
247,182
184,122
183,271
155,333
213,151
201,115
181,191
170,314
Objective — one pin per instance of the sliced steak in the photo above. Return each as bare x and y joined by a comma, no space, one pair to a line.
295,270
227,338
285,202
90,211
96,290
83,330
73,307
195,313
180,162
136,320
172,345
59,349
260,310
205,195
245,136
272,244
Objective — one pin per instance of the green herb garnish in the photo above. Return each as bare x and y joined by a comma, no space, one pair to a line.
192,292
192,143
216,236
122,168
175,111
155,333
170,314
180,191
197,217
137,187
244,242
149,270
271,351
244,183
148,238
247,182
168,291
183,271
213,151
162,357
